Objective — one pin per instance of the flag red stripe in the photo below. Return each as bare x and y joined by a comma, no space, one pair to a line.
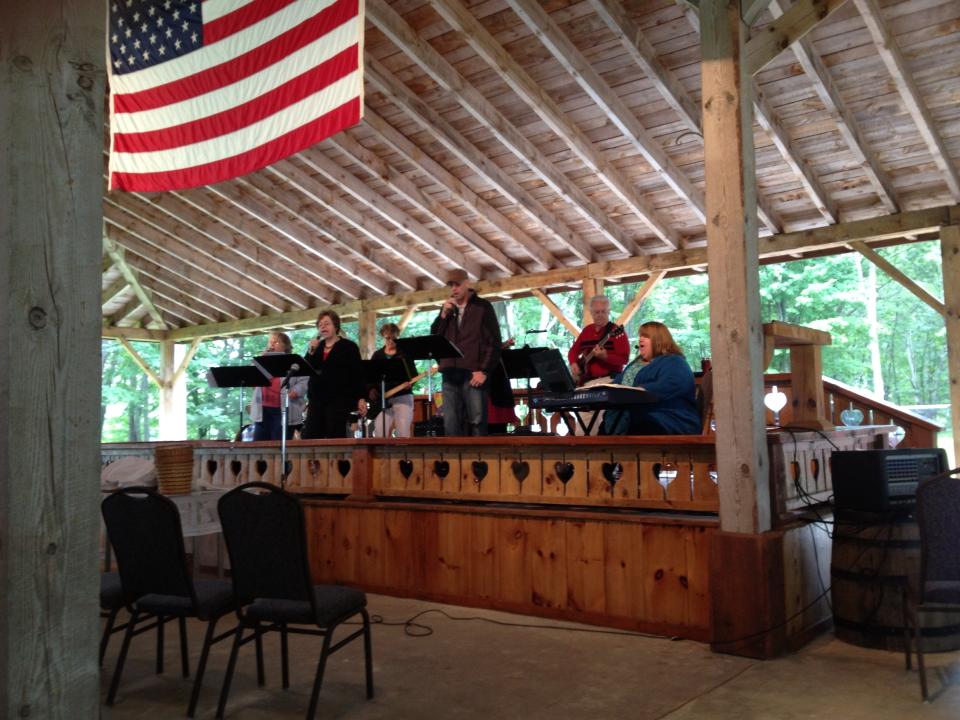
292,142
244,17
228,121
240,67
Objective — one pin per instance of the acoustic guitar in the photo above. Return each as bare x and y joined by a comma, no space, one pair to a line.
374,406
613,331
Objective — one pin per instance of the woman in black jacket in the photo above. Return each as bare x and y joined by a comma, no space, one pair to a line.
338,390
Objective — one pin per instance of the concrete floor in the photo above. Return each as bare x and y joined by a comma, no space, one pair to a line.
484,669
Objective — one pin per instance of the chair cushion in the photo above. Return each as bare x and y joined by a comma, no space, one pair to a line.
111,591
332,601
214,598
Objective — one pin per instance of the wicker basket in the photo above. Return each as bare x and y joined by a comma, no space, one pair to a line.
174,469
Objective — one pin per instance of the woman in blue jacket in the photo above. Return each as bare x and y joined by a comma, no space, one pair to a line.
667,375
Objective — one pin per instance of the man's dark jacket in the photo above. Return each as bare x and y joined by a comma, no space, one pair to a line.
477,335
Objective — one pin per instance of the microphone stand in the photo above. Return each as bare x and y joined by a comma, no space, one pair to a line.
383,405
284,411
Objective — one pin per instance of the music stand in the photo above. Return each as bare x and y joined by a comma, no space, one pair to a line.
392,371
555,377
241,376
516,363
285,365
428,347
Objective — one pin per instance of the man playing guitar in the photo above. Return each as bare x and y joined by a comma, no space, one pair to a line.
589,358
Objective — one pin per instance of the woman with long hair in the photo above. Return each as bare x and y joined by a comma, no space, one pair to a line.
662,370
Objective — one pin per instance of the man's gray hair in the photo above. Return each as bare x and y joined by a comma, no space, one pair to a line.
599,298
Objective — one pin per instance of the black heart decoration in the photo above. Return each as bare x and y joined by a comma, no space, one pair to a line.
406,468
564,471
441,468
212,466
480,469
236,466
612,471
521,469
343,467
261,466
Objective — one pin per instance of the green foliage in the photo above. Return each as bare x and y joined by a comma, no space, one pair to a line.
830,293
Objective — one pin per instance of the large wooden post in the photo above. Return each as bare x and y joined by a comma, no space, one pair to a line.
746,562
368,333
591,286
950,252
173,392
51,121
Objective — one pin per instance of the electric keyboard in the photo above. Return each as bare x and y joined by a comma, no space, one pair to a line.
593,398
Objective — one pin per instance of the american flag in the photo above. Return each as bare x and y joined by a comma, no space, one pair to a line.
206,91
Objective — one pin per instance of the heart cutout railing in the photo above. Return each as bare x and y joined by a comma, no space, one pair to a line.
564,471
520,469
612,471
441,468
480,469
261,467
212,466
343,467
406,468
236,466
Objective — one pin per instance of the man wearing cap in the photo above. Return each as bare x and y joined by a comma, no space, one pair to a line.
469,322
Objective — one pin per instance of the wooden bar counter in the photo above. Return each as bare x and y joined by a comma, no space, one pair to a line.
613,531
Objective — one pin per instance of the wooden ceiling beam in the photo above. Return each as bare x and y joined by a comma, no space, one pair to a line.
539,21
284,212
901,277
750,10
409,151
154,245
200,211
400,249
801,18
141,363
818,74
486,46
116,253
130,308
214,255
555,310
474,102
912,97
191,287
113,289
399,219
466,152
133,333
284,256
644,291
425,204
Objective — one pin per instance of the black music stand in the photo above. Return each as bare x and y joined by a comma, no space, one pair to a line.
555,377
285,365
241,376
428,347
384,373
516,363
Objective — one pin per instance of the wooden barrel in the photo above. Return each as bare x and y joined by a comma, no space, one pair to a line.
874,556
174,468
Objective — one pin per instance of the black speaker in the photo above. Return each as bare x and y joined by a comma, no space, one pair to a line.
882,480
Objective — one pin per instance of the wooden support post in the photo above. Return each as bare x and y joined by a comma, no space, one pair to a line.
735,331
642,294
806,371
950,253
51,121
368,333
554,310
173,392
406,317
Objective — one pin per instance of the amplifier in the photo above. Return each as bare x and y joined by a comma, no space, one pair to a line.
882,480
429,428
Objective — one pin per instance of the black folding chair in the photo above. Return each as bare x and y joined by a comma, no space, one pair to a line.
111,603
147,538
938,508
265,534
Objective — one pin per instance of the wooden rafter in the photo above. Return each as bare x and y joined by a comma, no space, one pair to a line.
388,213
406,317
116,253
750,10
890,269
847,125
636,302
399,143
555,310
130,308
113,289
474,102
796,22
912,98
416,197
188,356
431,121
214,256
566,53
141,363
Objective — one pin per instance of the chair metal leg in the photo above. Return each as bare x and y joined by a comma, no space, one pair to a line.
368,653
284,656
122,658
107,631
231,664
160,623
201,667
908,650
184,653
258,641
918,641
318,681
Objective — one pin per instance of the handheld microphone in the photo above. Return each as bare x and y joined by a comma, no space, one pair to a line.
529,332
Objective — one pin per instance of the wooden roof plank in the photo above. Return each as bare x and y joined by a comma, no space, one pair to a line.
116,254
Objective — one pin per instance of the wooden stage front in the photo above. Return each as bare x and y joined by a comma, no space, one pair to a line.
614,531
